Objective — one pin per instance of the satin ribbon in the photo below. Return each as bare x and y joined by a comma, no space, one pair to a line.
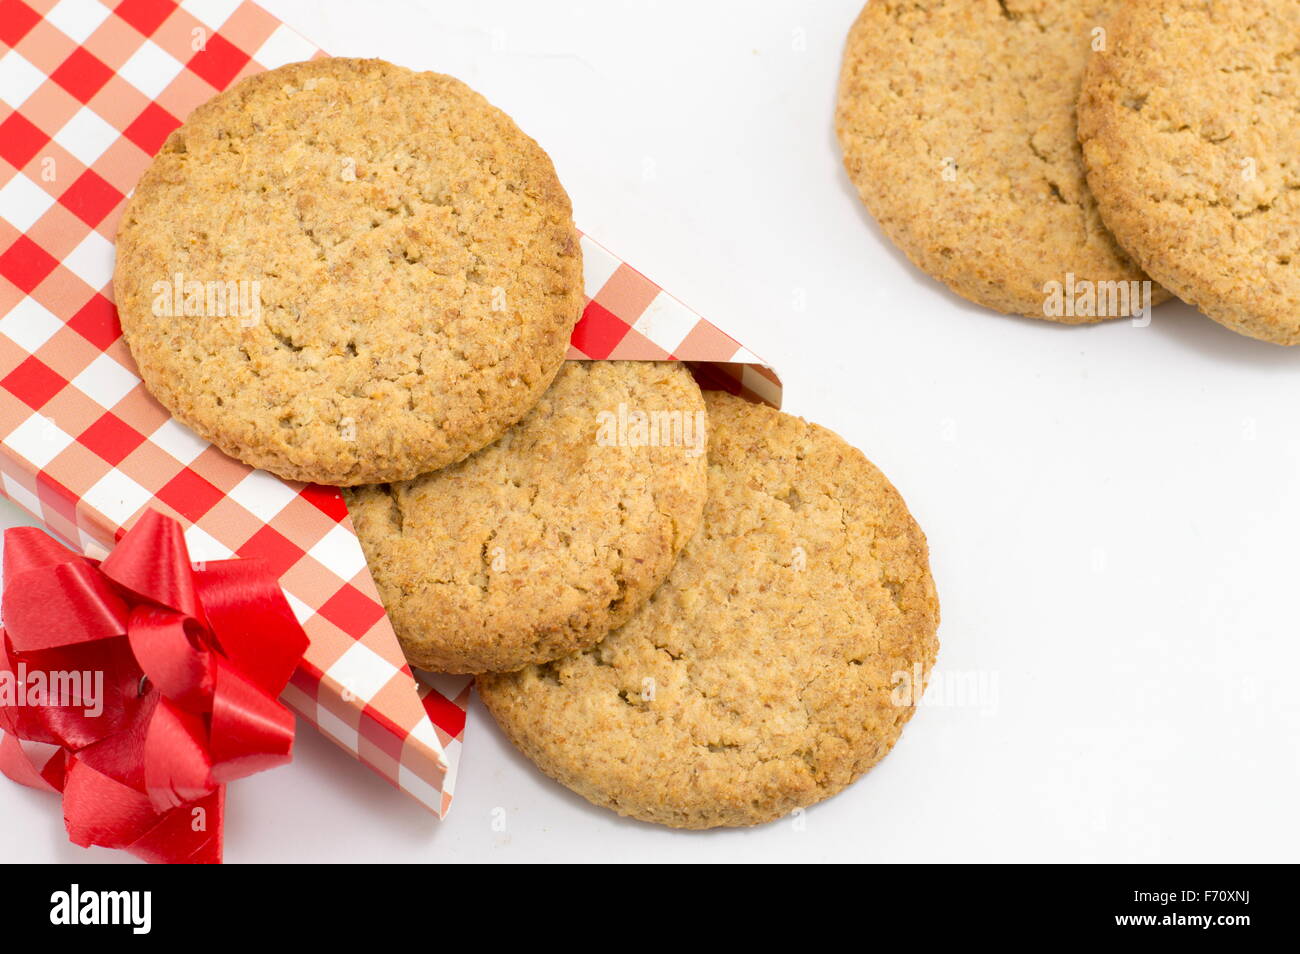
192,657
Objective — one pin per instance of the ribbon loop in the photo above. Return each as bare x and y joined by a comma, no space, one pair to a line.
243,603
152,562
60,605
251,730
169,648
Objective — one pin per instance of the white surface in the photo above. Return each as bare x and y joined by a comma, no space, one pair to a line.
1112,510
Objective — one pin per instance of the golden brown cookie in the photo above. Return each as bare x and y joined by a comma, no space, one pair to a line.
957,122
1190,123
345,272
541,543
774,666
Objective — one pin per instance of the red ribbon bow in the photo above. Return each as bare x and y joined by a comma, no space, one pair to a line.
190,661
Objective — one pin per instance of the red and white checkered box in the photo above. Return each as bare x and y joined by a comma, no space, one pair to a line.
88,93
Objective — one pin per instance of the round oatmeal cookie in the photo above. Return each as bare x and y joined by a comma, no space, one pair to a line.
342,271
777,663
956,118
541,543
1190,124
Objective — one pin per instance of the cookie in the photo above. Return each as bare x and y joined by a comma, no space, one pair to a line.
345,272
956,118
541,543
777,663
1191,139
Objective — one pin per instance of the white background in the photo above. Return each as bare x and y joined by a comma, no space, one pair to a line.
1113,511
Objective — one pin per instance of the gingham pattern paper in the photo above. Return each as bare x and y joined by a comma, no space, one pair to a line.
88,93
629,317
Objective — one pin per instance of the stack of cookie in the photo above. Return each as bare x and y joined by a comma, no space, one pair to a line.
1058,158
689,608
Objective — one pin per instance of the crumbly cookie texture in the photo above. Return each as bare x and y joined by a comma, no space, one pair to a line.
957,122
766,673
1190,124
411,273
541,543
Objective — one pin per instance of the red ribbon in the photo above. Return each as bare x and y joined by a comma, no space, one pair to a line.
192,660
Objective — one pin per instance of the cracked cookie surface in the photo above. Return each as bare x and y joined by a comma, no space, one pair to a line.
408,257
1192,143
956,118
541,543
759,677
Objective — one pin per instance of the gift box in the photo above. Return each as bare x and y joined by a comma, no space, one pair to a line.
88,93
